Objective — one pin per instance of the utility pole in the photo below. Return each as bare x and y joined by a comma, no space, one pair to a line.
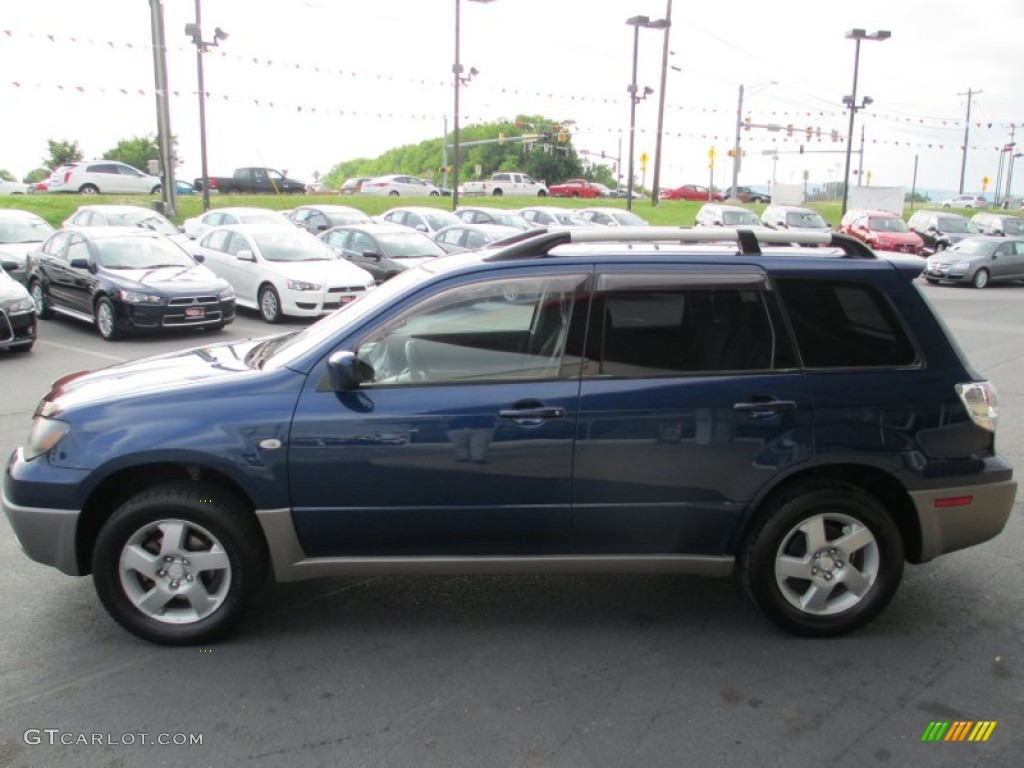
1010,147
661,106
163,113
736,147
967,135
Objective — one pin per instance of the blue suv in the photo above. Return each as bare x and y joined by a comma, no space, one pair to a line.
627,400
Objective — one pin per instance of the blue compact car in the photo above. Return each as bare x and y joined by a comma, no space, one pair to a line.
584,400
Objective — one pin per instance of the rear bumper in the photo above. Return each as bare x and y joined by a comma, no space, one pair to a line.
980,513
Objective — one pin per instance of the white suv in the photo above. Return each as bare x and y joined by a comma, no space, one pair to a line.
102,177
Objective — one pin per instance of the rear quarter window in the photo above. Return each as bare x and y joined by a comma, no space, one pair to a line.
845,324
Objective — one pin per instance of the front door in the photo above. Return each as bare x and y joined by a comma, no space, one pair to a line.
459,440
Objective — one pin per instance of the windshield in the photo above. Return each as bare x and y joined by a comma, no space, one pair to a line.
955,224
140,253
292,246
974,246
151,221
886,224
1013,226
406,246
629,220
24,230
340,219
512,220
736,218
570,220
806,220
438,221
261,218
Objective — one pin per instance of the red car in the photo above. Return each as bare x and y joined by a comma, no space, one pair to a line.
691,192
574,188
883,231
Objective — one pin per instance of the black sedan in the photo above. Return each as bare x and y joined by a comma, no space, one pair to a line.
17,312
126,280
383,250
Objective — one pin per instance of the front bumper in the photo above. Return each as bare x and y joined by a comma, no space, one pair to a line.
46,535
177,314
17,330
317,303
979,514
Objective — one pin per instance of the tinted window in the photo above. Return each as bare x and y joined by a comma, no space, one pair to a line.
844,325
663,331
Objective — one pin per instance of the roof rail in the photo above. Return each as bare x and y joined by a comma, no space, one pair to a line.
538,243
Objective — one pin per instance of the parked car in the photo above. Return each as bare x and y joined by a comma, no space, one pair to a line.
14,187
882,231
282,271
552,216
802,422
484,215
747,195
102,177
998,224
717,215
613,217
125,280
397,186
691,192
320,218
383,250
20,232
938,229
354,185
979,261
421,218
17,311
470,237
575,188
127,216
253,180
966,201
794,217
197,226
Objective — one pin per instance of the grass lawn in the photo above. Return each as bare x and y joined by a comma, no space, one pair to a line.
675,213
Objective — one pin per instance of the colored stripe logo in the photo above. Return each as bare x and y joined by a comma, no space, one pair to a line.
959,730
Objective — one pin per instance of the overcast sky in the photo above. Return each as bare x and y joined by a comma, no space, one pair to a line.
304,84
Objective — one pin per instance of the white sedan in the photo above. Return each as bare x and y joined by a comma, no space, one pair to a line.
197,226
396,186
282,271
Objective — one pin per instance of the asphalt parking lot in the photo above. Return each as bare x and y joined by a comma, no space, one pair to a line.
520,671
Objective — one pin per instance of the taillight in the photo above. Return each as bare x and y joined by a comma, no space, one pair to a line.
67,176
981,402
213,184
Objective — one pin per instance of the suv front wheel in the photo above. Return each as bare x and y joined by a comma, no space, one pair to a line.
825,559
177,564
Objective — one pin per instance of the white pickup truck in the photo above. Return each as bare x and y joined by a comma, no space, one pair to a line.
501,184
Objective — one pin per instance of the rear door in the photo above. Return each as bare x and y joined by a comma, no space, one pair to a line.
690,403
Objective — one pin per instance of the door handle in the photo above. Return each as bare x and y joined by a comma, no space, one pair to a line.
764,409
531,416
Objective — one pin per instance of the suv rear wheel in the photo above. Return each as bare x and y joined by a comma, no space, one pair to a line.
825,559
178,563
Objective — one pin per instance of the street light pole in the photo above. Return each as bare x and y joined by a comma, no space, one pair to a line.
736,148
195,31
636,21
163,111
458,81
856,35
661,105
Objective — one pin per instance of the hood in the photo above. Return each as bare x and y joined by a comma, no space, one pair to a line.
171,280
164,373
899,238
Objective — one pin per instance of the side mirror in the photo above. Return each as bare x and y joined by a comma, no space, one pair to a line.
371,255
341,370
79,262
199,258
931,229
245,255
422,227
182,229
9,265
321,227
780,223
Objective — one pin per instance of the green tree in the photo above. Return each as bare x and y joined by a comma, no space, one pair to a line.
136,151
6,175
36,175
61,152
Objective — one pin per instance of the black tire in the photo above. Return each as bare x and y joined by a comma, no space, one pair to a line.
575,194
542,193
435,193
105,317
980,278
155,190
393,193
43,310
821,543
88,189
270,304
149,557
498,193
932,280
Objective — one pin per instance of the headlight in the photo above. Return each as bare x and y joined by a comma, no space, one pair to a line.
134,297
299,285
44,436
227,294
20,306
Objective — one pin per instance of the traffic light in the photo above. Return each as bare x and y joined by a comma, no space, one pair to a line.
747,123
810,132
563,136
789,129
835,134
817,133
731,152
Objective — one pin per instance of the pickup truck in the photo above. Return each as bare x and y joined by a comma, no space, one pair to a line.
259,180
575,188
505,184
